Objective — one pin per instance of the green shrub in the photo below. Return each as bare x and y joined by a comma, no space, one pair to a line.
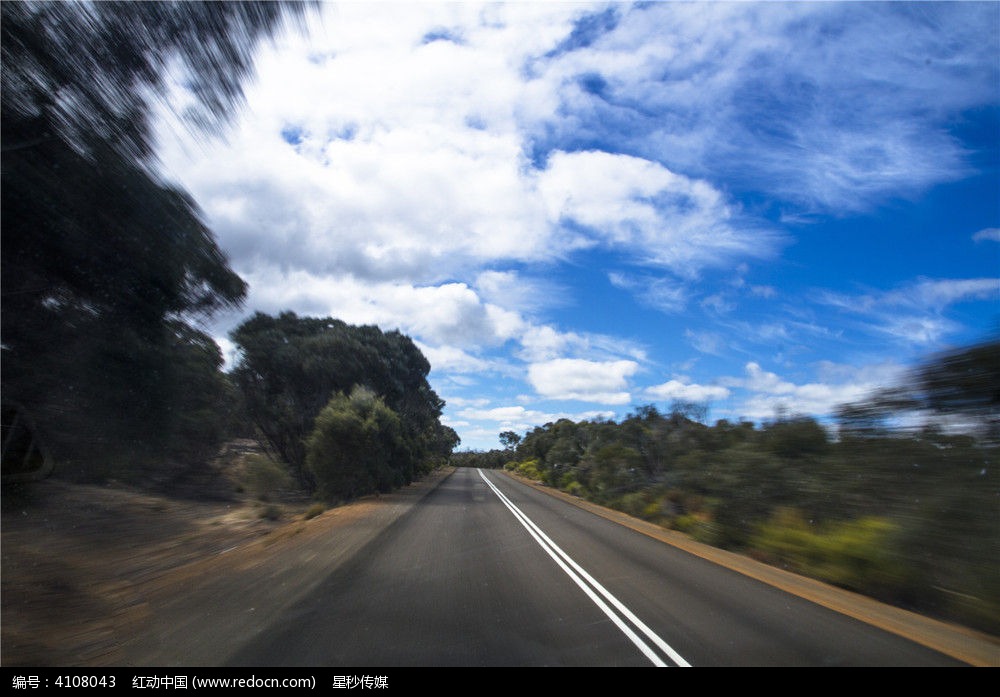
356,447
527,468
684,523
633,503
854,554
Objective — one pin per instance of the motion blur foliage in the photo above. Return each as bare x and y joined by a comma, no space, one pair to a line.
290,368
104,265
90,73
954,392
908,516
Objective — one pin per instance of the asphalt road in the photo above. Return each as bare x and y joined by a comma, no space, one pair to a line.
486,571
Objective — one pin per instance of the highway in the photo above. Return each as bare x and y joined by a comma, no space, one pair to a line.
487,571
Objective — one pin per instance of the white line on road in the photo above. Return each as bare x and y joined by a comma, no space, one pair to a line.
582,578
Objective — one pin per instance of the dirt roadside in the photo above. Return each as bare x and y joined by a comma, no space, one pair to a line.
111,576
108,575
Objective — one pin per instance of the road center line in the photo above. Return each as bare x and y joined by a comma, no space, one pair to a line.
582,579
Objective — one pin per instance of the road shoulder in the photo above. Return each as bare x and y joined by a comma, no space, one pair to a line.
972,647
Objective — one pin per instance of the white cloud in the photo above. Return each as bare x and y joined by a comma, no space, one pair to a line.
440,186
515,290
450,360
451,314
991,233
665,218
603,382
765,394
915,313
705,341
686,391
939,293
463,402
541,343
660,293
833,106
519,419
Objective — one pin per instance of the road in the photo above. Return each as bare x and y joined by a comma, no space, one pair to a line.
486,571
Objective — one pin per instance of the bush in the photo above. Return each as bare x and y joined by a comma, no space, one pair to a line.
356,447
527,468
854,554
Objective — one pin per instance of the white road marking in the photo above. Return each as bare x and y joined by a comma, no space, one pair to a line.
582,579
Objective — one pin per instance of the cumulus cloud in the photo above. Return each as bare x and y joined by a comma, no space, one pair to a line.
450,314
439,167
450,359
665,218
602,382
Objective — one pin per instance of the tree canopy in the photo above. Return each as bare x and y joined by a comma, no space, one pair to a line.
290,367
104,265
957,389
89,73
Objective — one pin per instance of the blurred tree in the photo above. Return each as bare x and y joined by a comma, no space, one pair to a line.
959,388
795,437
103,264
90,73
964,383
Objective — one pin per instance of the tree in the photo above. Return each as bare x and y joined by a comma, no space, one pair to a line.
795,437
964,383
89,73
509,440
958,388
104,264
290,367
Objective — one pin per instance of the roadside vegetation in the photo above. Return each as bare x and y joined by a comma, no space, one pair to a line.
110,275
898,500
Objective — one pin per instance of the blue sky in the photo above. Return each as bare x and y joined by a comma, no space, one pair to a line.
576,209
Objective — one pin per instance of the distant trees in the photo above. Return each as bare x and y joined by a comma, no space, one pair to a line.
907,515
293,368
103,264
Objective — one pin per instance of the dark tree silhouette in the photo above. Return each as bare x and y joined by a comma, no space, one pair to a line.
104,264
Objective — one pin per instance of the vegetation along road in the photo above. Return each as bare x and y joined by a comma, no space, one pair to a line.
485,570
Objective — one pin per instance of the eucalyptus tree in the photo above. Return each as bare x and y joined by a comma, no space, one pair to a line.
104,264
